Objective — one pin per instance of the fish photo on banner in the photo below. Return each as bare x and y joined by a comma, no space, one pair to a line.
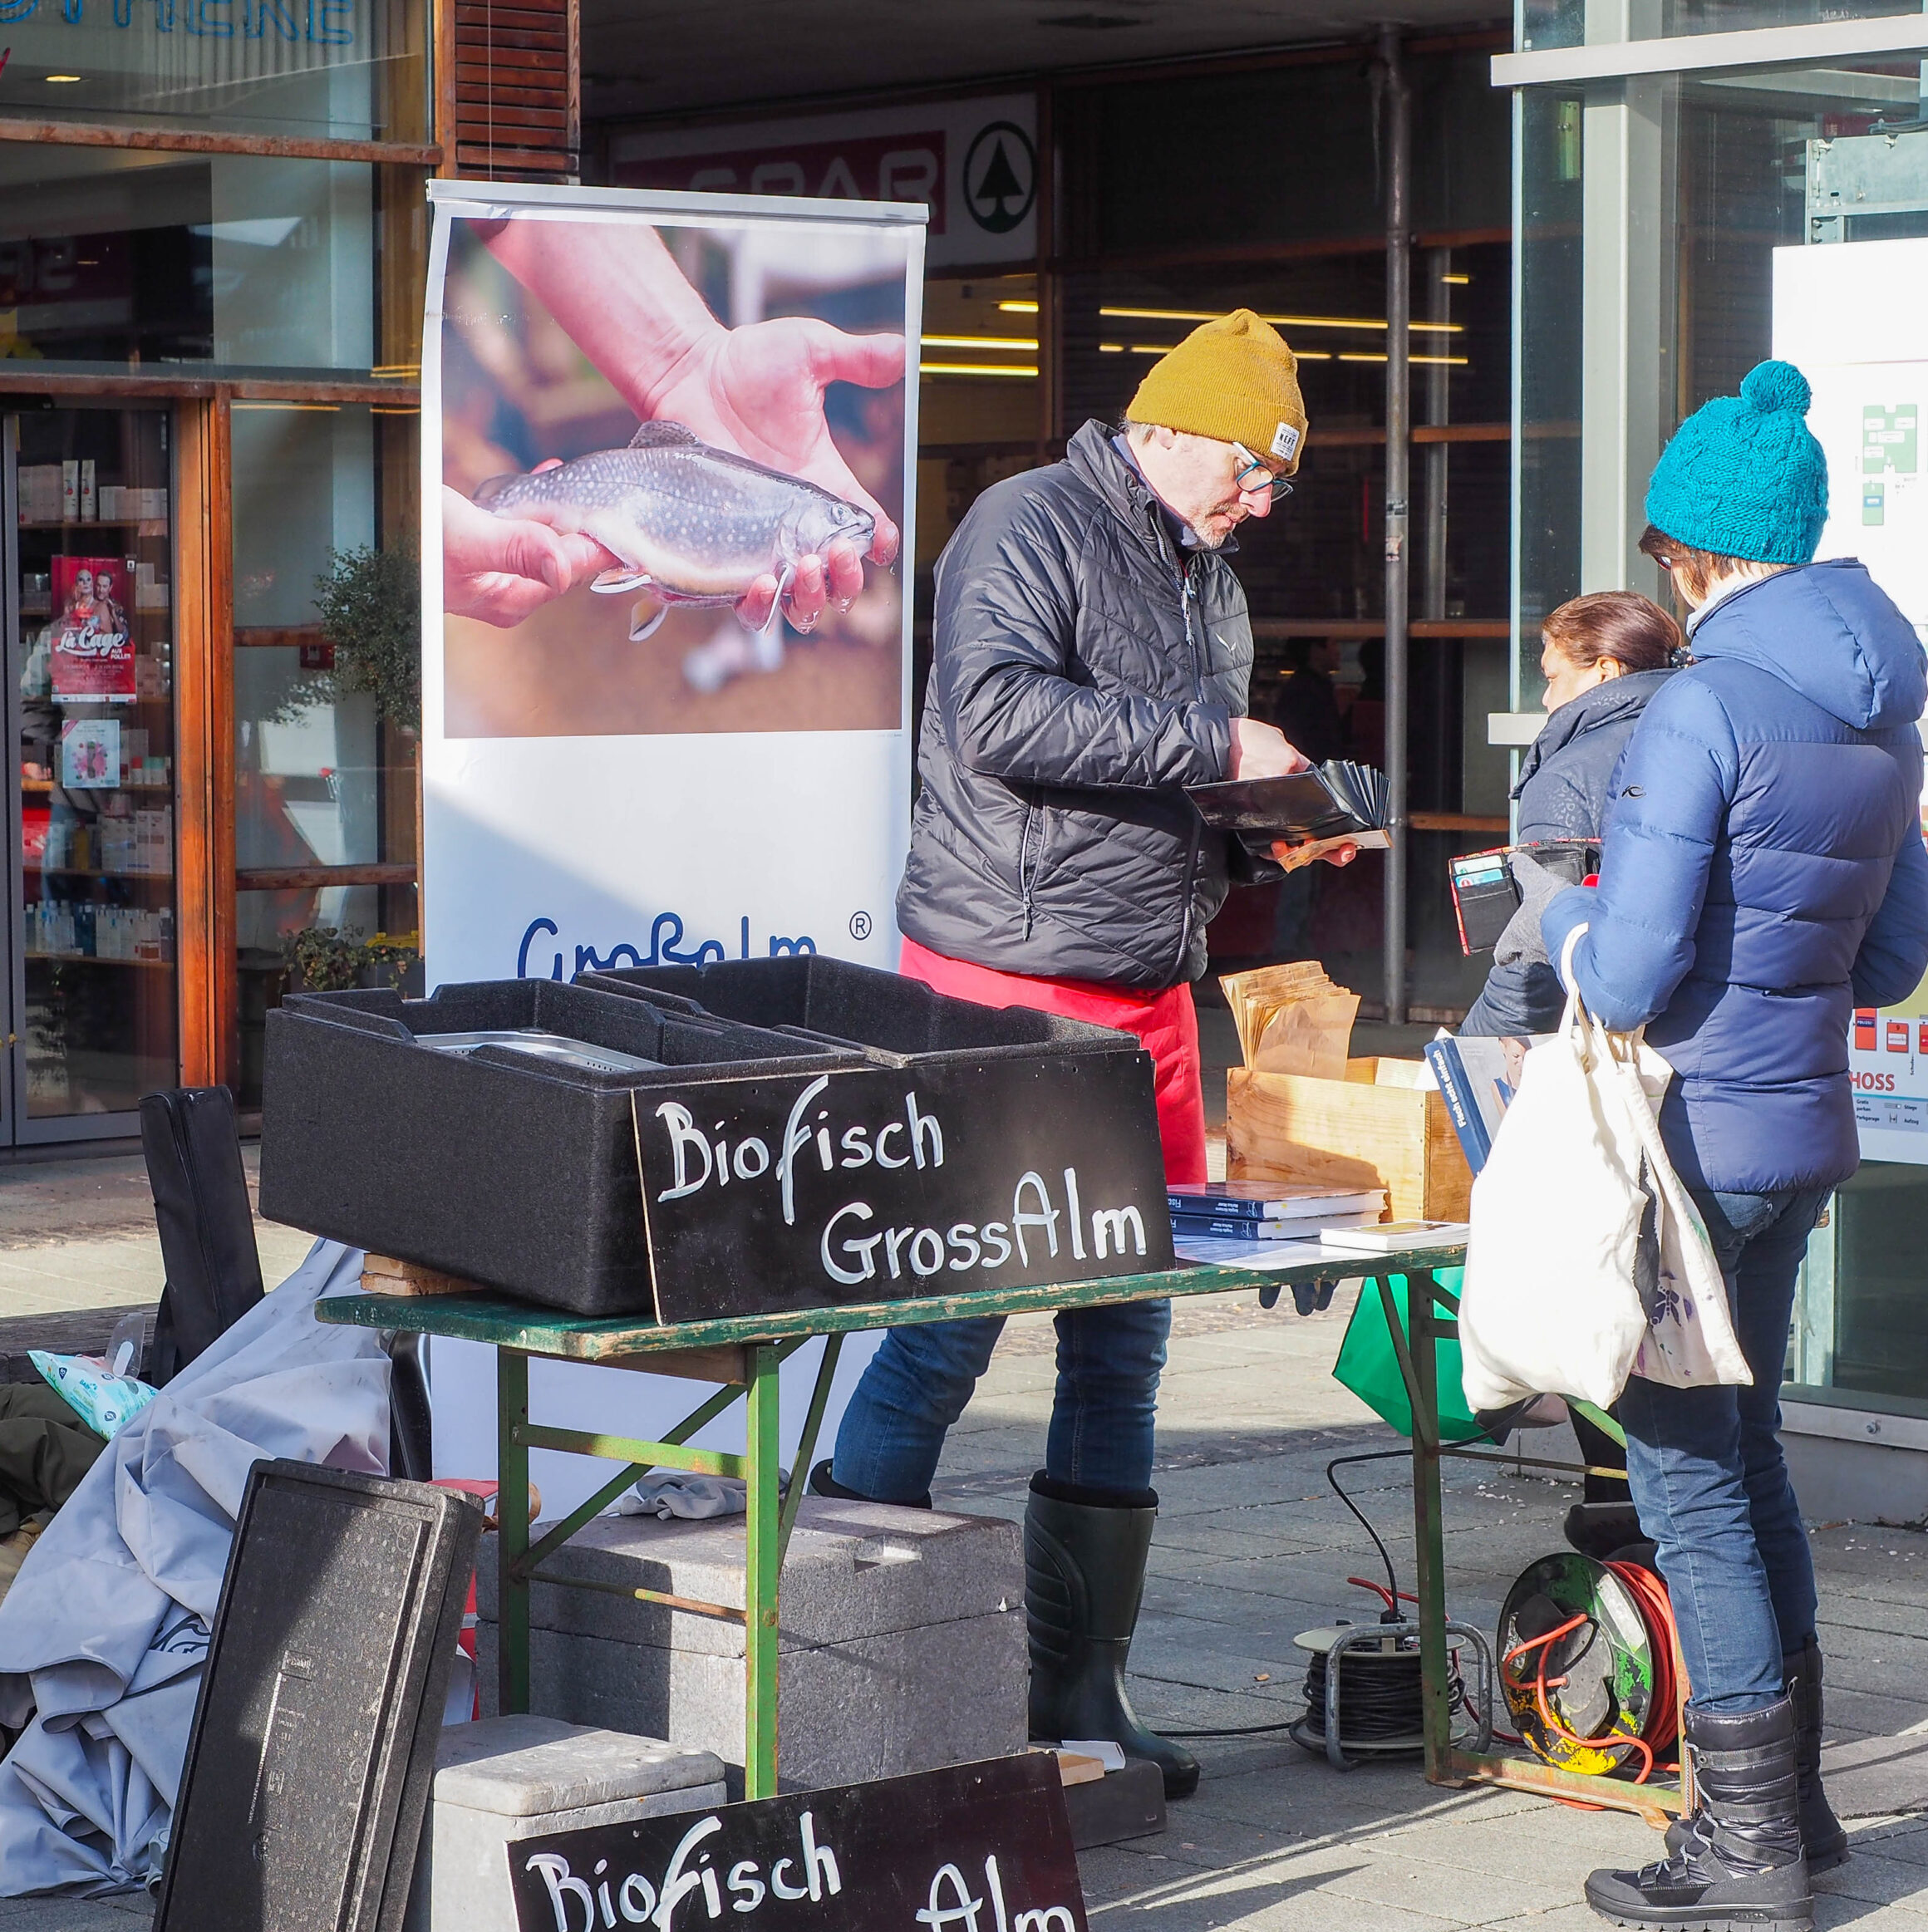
672,477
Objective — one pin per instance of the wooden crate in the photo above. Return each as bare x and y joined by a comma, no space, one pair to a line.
1373,1129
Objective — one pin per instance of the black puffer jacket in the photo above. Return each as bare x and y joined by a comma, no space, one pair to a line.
1563,792
1084,671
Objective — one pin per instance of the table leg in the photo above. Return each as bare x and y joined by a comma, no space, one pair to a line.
1429,1527
762,1568
512,1514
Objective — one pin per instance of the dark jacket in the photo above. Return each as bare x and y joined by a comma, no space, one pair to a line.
1764,874
1562,794
1084,671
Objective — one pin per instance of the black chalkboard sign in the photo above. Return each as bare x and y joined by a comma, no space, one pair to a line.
974,1848
810,1191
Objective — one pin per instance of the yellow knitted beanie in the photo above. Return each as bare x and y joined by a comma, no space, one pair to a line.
1233,380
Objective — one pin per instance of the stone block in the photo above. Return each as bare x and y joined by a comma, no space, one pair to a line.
506,1779
900,1638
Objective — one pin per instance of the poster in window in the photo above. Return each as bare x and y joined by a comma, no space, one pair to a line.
93,644
89,753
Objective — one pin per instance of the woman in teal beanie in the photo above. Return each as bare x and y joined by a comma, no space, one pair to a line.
1763,874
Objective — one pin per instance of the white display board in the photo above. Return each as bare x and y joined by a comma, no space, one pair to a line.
1849,317
613,773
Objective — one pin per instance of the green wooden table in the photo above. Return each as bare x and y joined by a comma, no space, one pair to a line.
744,1356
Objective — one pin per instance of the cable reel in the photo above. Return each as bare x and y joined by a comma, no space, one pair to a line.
1362,1688
1589,1666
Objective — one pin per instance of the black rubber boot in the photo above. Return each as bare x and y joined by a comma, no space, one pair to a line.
1085,1567
1823,1836
822,1483
1738,1865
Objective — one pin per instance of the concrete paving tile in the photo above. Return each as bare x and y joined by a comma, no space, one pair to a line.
1459,1896
1274,1896
64,1914
1538,1847
1877,1879
1903,1839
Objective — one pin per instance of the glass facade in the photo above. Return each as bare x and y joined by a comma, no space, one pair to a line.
325,776
341,69
1567,23
126,257
89,652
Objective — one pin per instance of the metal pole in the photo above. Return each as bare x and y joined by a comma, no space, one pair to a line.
512,1522
1437,344
1398,420
763,1563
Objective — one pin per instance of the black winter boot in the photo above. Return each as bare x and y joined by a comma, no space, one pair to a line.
822,1483
1084,1566
1823,1836
1737,1866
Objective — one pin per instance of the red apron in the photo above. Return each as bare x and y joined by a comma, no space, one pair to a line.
1167,1023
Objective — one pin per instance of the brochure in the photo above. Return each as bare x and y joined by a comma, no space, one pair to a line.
91,753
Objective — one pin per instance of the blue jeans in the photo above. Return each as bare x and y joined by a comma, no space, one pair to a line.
919,1382
1707,1475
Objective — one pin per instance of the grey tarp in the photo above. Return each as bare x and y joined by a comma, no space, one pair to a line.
104,1633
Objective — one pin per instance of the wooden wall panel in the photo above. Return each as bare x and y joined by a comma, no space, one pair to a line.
514,94
204,746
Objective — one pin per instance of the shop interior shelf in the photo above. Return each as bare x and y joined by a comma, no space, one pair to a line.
94,959
44,784
140,526
75,872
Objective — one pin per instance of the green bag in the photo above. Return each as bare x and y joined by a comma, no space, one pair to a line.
1369,1365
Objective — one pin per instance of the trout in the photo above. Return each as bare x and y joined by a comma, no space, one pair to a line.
689,524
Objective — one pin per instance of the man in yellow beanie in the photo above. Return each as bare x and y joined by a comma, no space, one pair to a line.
1092,658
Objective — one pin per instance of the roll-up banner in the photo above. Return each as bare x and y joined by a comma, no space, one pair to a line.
668,455
1848,316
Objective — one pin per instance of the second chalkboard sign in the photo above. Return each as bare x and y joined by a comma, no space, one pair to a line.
973,1848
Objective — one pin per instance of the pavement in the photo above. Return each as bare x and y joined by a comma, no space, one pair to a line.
1251,1548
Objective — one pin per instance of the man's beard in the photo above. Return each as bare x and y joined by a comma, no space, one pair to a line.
1209,538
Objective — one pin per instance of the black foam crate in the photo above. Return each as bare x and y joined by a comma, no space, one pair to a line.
507,1170
816,1157
895,1020
312,1750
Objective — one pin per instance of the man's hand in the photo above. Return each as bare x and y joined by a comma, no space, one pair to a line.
1262,751
501,569
1333,851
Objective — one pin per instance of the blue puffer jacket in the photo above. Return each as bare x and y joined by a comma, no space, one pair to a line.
1764,874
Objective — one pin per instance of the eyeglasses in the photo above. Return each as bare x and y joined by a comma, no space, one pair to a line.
1252,476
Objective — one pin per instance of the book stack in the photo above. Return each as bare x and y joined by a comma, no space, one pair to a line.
1266,1211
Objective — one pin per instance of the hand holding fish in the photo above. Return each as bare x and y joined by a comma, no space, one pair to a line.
755,391
501,569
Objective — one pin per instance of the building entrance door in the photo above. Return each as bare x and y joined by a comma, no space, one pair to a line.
92,1005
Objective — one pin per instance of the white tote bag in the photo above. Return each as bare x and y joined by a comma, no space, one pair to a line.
1588,1260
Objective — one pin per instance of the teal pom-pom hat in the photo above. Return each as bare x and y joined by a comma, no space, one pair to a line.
1743,476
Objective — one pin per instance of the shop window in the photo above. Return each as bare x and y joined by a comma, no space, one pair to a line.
349,70
138,258
90,651
979,398
325,772
1562,23
1858,1335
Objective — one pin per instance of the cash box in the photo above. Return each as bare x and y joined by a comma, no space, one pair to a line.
701,1142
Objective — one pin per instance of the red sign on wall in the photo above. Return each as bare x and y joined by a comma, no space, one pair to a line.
891,167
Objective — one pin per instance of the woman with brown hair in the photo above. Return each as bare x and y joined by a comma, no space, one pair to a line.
1603,655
